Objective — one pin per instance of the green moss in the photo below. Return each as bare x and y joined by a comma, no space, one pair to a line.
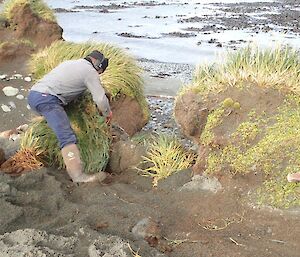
38,7
277,192
268,142
228,102
213,120
273,149
237,105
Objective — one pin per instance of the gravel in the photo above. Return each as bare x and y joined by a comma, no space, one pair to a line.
162,120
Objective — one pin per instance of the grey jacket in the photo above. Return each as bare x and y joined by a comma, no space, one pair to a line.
70,79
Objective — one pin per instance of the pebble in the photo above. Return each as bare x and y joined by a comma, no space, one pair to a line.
5,108
162,121
17,76
12,105
10,91
3,76
27,79
20,97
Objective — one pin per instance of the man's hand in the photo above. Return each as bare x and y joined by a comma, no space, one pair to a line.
108,118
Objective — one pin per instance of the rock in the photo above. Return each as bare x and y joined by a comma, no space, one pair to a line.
17,76
12,105
10,91
202,183
5,108
125,155
9,147
27,79
20,97
3,76
22,128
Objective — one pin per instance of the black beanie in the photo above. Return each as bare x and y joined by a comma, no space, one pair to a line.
99,56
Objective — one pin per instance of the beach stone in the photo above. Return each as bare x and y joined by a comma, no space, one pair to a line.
202,183
5,108
17,76
10,91
20,97
27,79
3,76
125,155
12,105
9,147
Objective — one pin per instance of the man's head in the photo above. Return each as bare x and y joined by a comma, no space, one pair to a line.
99,61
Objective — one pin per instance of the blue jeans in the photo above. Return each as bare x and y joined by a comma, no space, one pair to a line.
52,109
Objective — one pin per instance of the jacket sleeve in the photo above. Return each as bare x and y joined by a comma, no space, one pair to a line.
93,84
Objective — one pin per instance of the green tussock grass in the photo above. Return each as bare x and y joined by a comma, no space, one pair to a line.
274,67
123,75
39,7
165,156
91,131
266,142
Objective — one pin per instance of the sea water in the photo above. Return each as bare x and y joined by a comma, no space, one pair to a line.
151,26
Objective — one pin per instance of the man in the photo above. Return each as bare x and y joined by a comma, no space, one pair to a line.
59,87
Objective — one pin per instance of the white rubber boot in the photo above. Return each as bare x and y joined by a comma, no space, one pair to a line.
295,177
71,156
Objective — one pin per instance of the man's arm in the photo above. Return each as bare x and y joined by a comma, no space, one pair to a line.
93,84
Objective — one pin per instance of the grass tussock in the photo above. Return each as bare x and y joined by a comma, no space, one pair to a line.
165,156
90,129
274,67
123,75
39,7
